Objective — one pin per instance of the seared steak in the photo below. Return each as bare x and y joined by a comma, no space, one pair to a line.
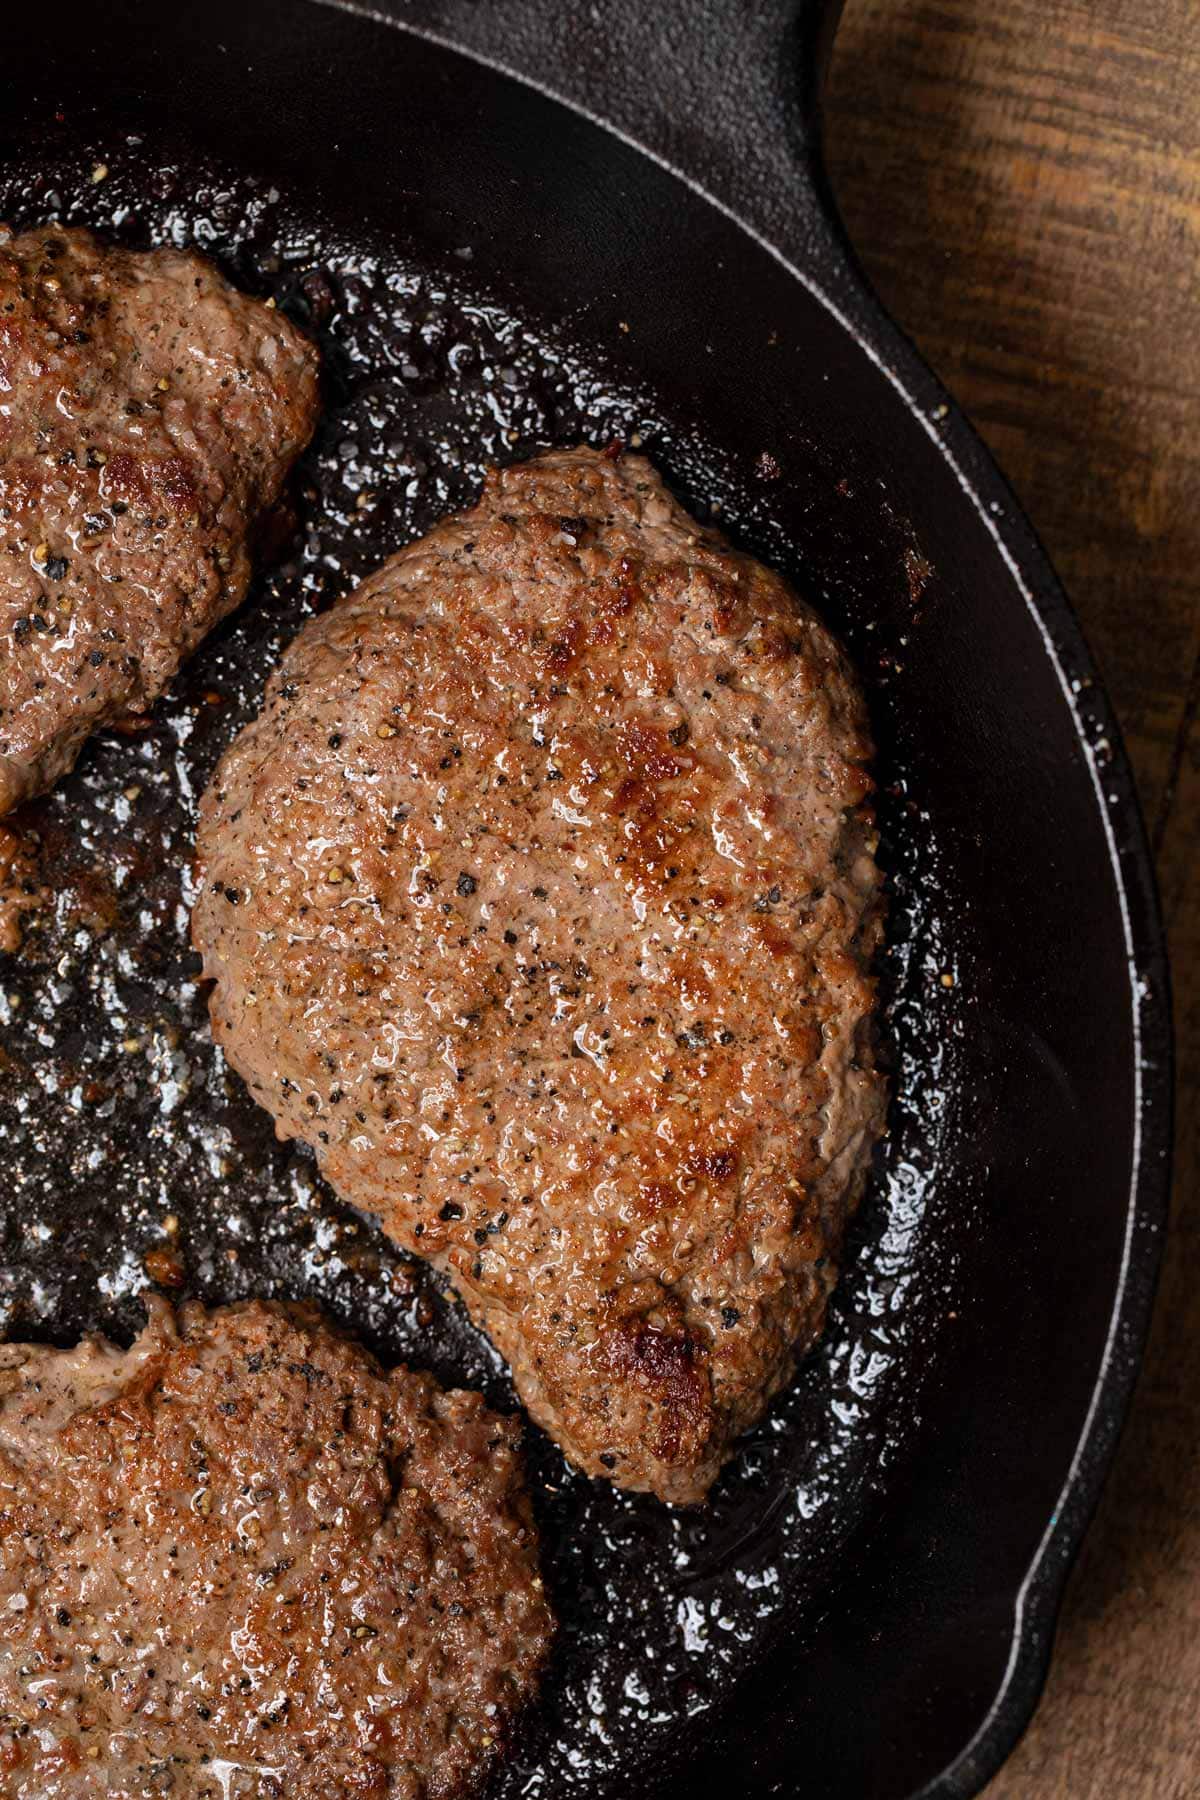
239,1560
540,900
148,414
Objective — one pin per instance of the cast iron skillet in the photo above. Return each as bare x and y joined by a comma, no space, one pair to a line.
865,1609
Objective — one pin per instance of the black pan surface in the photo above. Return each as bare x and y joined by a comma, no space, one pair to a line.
486,273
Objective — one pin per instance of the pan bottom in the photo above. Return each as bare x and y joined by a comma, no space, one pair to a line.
124,1132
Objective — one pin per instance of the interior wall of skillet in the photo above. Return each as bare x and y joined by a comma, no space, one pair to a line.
834,479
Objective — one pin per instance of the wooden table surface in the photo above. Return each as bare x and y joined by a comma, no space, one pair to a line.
1022,181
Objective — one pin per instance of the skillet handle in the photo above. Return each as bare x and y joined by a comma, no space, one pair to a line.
726,91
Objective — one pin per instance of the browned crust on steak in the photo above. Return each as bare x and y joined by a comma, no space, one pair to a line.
541,899
148,414
241,1560
21,888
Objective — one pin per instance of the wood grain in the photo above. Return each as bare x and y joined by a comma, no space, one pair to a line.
1023,185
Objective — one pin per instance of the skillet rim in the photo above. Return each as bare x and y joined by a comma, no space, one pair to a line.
858,312
1039,1599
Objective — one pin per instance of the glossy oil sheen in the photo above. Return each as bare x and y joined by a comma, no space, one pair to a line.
485,274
